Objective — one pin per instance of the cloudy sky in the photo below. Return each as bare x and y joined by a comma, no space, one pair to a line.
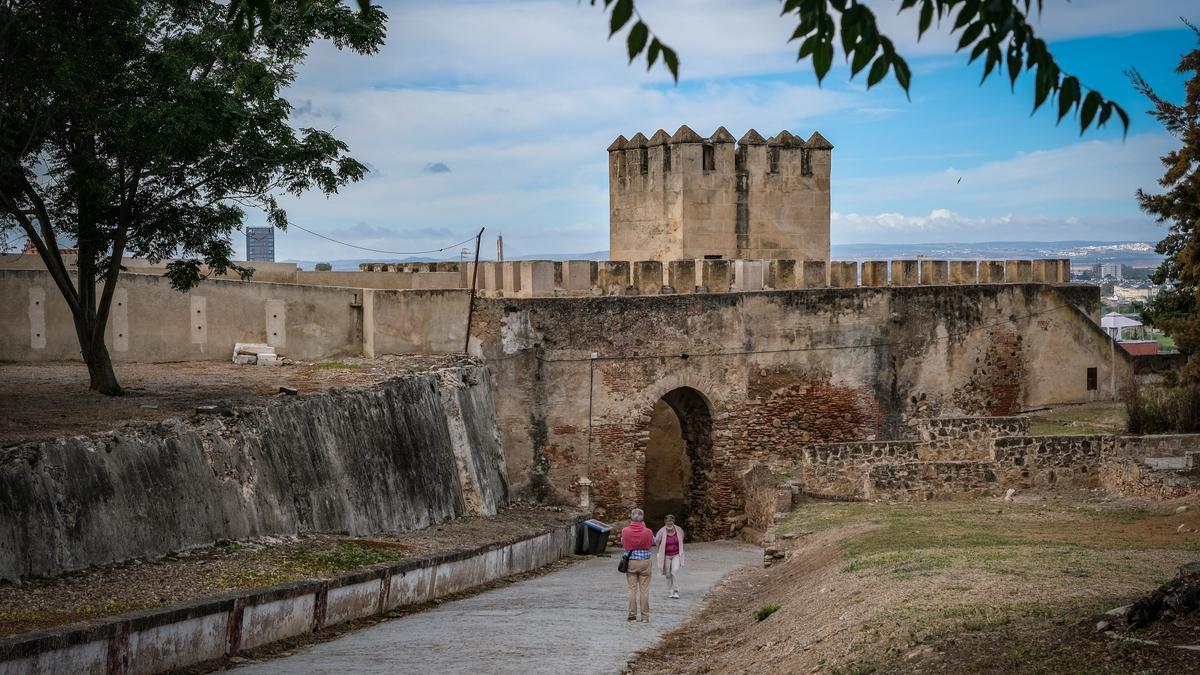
497,114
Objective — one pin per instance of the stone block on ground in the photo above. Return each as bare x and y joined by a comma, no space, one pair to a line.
253,348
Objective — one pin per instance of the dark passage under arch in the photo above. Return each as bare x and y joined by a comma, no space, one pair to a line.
680,473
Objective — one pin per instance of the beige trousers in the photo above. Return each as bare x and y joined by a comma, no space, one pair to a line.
638,577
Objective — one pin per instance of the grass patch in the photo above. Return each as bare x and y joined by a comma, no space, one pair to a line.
766,610
345,556
1053,428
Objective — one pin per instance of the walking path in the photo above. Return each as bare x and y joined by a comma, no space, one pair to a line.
569,621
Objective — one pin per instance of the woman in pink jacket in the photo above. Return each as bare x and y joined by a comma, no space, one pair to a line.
670,551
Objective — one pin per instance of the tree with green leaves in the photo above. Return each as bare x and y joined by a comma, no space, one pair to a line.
1176,310
147,127
323,267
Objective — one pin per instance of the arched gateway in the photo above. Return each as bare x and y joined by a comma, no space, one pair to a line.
680,473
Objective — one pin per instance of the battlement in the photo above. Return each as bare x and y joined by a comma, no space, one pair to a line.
585,278
684,196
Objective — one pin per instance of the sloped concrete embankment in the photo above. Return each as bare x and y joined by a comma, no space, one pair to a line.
397,456
207,631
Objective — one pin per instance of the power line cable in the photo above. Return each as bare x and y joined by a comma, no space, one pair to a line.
376,250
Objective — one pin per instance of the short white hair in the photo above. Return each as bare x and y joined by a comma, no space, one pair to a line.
637,514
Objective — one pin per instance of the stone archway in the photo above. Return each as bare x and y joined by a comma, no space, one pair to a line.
680,474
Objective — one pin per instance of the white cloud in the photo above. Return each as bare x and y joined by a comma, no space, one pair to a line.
1091,177
521,98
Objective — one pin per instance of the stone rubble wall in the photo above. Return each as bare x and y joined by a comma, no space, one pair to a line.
964,438
840,468
930,469
1131,478
398,456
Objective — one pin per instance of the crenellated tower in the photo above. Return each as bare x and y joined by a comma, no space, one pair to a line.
679,196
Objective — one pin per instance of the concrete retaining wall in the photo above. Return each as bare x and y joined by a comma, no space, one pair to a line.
397,456
204,631
151,322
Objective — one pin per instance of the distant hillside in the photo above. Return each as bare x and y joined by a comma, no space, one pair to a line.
1134,253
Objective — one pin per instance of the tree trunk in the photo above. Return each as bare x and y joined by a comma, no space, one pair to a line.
100,370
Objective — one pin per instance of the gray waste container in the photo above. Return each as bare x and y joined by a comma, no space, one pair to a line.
593,537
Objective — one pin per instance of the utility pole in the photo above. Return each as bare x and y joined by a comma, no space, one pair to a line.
499,248
471,306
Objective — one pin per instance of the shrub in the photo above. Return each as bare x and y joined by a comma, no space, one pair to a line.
1163,410
766,610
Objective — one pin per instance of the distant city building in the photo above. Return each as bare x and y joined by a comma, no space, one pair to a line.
260,244
1102,270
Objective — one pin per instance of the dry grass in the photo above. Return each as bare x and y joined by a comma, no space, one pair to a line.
893,587
1101,417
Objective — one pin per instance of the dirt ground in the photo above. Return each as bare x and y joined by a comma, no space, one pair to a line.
232,565
947,587
43,400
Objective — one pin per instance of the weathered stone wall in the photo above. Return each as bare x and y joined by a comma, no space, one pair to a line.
948,439
776,370
683,196
915,470
1131,478
841,468
929,480
397,456
1050,461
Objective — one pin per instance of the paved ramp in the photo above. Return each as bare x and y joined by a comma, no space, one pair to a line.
570,621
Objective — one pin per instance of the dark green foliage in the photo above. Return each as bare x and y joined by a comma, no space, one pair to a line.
1164,410
146,128
1176,311
323,267
766,610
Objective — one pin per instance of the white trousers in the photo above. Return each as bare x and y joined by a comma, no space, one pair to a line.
670,570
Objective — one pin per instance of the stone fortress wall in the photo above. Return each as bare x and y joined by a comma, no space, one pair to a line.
681,196
581,278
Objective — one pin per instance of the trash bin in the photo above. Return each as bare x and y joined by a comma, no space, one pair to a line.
595,537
